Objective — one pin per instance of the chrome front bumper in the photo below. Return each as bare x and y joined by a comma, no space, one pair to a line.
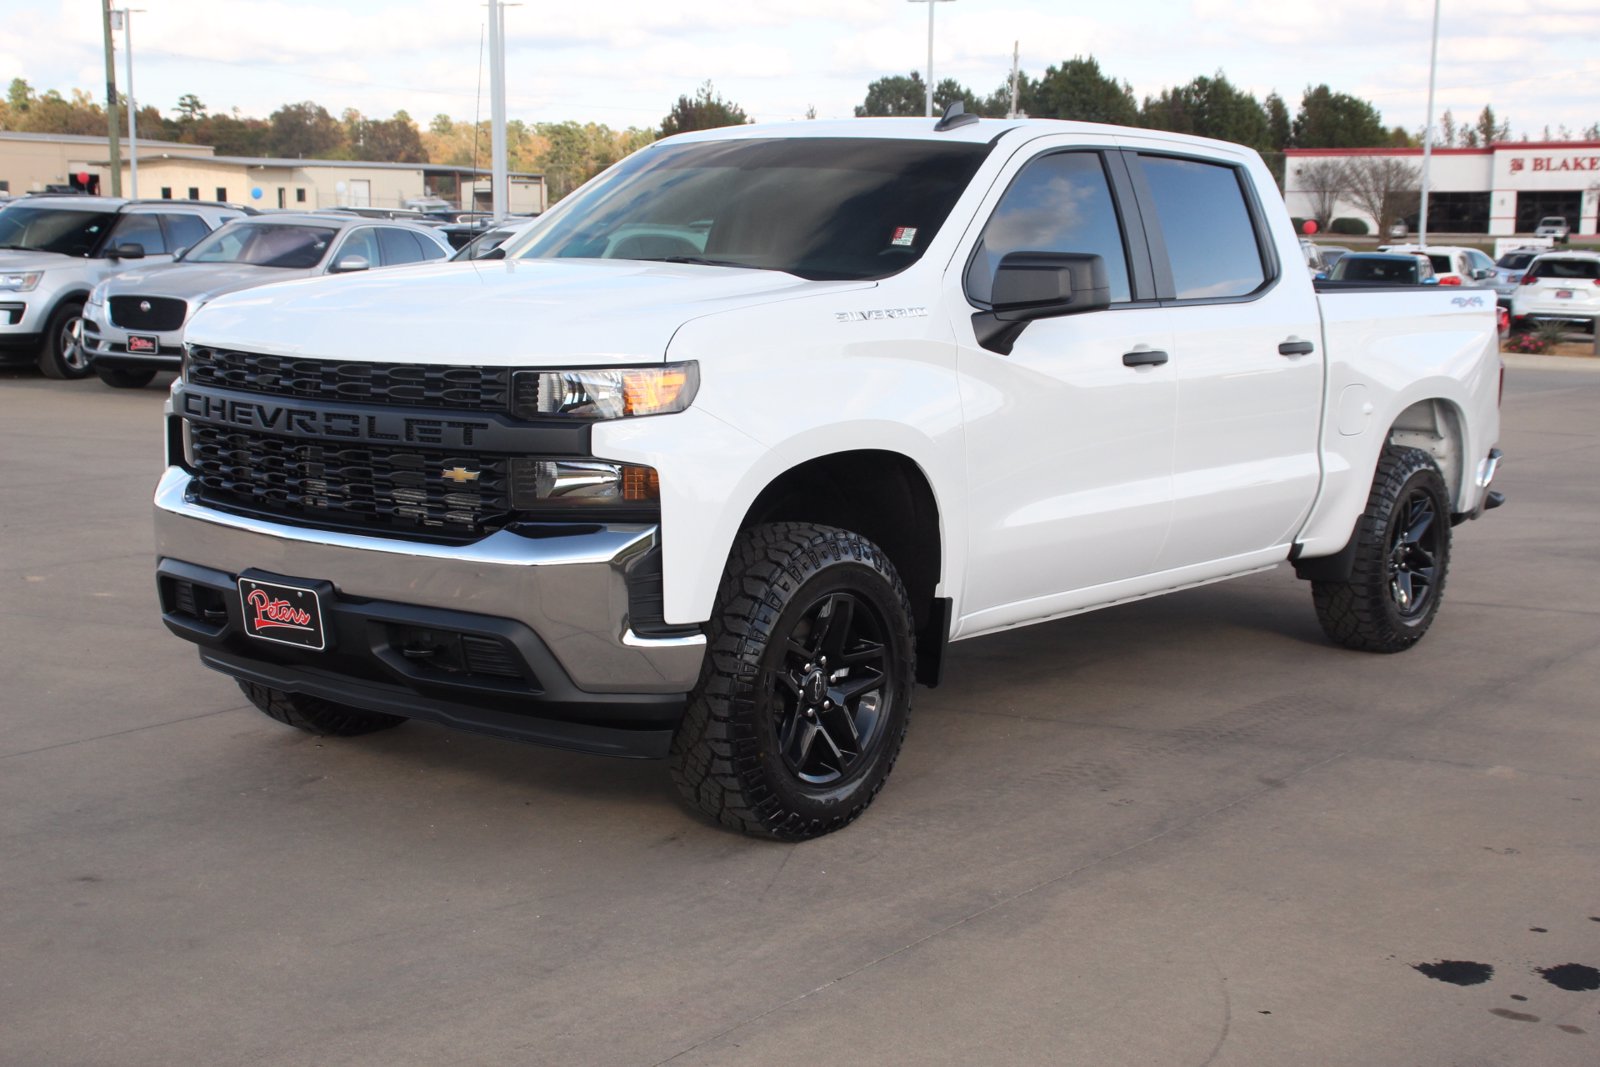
570,590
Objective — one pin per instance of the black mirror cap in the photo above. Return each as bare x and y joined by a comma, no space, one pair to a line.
127,251
1043,285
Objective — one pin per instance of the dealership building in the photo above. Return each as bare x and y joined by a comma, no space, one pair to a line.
1501,190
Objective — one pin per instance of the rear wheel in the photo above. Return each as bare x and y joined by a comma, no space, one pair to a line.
125,377
1402,559
63,354
805,693
315,715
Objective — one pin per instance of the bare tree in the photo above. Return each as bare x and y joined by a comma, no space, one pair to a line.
1325,181
1384,187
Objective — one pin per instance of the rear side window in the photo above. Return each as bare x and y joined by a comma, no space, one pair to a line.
1211,239
184,231
1576,269
1058,203
399,247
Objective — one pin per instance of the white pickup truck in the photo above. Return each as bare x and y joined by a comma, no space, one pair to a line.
714,462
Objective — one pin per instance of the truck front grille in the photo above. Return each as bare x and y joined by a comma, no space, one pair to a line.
378,488
423,385
159,313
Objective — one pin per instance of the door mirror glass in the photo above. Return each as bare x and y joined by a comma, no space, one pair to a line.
127,251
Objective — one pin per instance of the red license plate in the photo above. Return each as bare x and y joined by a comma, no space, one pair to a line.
1563,294
142,345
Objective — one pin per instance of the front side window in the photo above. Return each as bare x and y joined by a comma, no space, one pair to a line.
816,207
141,230
361,242
184,231
1211,240
1058,203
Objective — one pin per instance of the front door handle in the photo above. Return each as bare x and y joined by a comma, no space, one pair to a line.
1144,357
1296,348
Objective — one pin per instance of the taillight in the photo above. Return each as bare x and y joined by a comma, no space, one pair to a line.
1450,279
1513,279
1530,279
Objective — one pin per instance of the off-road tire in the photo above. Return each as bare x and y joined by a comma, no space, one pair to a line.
125,377
315,715
54,360
746,753
1396,584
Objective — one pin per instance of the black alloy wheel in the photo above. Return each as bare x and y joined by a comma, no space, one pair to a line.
830,693
1414,550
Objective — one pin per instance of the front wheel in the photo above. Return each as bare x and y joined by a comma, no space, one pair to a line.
63,354
805,694
125,377
1402,559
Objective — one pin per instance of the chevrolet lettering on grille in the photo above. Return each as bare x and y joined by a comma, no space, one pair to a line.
321,422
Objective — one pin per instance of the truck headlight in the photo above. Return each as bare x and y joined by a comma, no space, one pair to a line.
537,484
20,281
604,392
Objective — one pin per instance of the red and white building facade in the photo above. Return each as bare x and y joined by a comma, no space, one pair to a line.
1501,190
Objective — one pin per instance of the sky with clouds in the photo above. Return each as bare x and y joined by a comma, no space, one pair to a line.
623,62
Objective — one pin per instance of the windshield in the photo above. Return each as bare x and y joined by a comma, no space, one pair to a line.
1553,220
265,245
834,207
46,229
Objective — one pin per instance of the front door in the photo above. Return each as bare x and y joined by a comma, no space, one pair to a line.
1069,442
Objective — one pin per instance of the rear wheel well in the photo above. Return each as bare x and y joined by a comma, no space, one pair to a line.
1435,427
884,497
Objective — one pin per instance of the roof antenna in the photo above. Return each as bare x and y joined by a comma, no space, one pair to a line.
955,115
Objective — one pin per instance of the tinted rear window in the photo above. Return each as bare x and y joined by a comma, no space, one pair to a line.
1577,269
1211,239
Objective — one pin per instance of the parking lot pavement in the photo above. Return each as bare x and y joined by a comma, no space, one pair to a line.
1183,831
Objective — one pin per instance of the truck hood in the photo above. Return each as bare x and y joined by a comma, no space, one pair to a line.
541,312
197,282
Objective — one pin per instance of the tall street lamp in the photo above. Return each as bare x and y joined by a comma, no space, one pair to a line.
122,19
1427,135
930,4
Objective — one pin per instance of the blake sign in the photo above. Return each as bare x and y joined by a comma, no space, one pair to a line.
1519,164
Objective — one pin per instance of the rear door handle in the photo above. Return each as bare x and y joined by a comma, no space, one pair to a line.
1296,348
1144,357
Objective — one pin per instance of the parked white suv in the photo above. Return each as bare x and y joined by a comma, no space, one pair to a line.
1559,287
53,249
1555,227
1452,264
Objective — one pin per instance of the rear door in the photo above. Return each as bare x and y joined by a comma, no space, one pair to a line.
1246,359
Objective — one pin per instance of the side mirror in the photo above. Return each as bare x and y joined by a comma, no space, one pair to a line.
1039,285
351,264
1483,272
127,251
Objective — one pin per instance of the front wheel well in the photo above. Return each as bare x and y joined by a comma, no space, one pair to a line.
884,497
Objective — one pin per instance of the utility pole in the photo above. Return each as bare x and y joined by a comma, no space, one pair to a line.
111,100
930,4
1427,136
1015,48
499,181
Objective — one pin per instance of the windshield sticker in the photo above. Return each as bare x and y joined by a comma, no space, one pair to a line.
904,236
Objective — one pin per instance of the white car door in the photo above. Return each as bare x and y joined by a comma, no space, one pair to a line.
1070,432
1246,358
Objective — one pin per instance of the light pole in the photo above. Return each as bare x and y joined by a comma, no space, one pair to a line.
1427,134
930,4
499,178
122,19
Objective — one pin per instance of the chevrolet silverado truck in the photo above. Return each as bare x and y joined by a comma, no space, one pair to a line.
722,454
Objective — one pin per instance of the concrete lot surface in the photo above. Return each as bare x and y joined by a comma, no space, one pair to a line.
1187,831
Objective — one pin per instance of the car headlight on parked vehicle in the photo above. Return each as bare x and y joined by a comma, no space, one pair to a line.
20,281
97,295
604,392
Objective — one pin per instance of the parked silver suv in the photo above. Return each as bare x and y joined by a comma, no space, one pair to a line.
54,249
133,323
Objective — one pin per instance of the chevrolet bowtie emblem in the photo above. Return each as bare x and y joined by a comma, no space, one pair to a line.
460,475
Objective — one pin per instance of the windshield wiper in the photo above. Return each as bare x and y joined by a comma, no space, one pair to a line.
703,262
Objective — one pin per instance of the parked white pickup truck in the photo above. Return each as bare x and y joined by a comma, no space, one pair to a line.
722,453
